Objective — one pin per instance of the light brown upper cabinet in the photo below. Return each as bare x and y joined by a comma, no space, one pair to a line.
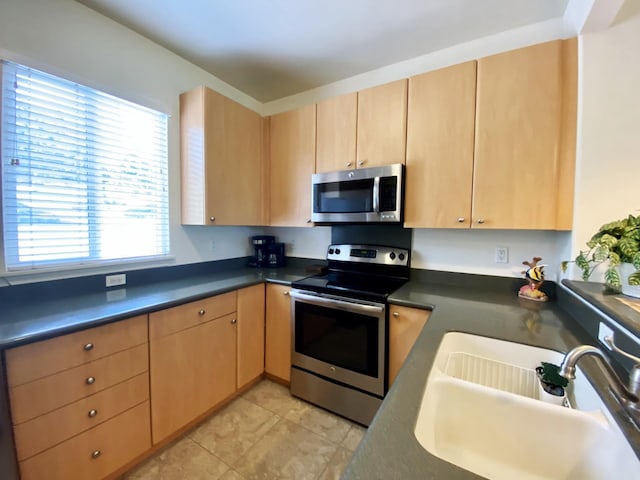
518,172
336,133
292,161
525,138
382,125
222,158
440,129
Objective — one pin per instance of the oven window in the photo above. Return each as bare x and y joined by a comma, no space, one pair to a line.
351,196
343,339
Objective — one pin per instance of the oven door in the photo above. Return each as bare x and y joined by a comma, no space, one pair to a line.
340,339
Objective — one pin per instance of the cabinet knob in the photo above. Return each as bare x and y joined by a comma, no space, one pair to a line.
92,413
95,454
308,220
396,314
212,219
333,369
90,380
460,219
349,164
234,321
481,221
361,162
286,292
201,312
88,346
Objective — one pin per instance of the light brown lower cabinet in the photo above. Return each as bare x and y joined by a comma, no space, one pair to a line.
95,453
251,308
80,402
405,324
191,371
278,332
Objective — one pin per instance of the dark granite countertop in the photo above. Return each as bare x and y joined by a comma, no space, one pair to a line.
390,450
24,322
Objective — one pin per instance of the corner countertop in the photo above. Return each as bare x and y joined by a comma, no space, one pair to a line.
23,323
390,449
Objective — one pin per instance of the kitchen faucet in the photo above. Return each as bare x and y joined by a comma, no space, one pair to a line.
629,397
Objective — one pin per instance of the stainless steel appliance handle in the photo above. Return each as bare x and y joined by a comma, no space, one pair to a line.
332,302
376,194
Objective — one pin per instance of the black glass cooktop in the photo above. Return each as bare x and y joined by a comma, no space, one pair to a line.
352,284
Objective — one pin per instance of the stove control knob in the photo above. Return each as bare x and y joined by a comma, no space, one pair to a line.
331,251
401,256
337,251
392,256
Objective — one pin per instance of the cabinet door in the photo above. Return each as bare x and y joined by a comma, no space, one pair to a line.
191,371
440,129
405,325
292,161
336,137
382,124
222,160
278,332
518,143
251,309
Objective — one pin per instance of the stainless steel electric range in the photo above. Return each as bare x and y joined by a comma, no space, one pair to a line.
340,323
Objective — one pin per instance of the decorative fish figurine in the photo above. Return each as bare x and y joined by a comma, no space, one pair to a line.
535,277
535,273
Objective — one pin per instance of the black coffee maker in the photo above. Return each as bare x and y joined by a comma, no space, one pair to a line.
267,253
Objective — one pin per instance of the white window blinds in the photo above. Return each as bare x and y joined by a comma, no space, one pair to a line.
84,174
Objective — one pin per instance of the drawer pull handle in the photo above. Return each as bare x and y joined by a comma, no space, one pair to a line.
91,380
481,221
285,293
460,219
93,413
88,346
201,312
96,454
234,320
396,314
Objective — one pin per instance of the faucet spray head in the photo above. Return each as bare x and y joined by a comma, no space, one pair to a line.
567,372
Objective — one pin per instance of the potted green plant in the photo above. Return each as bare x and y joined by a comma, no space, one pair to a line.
551,383
618,244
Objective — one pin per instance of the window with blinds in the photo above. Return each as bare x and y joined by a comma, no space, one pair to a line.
84,174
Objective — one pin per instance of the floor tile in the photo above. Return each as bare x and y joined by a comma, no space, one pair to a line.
325,424
273,397
185,459
353,437
287,451
337,465
232,431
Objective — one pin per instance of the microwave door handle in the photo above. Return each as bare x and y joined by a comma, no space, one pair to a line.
331,302
376,194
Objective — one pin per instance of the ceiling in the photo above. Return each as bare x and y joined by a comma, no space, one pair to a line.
270,49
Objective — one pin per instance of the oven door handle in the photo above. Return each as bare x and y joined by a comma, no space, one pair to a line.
340,304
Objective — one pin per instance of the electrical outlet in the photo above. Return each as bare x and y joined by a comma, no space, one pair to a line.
501,255
116,280
604,331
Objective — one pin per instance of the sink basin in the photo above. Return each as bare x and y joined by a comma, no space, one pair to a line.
480,412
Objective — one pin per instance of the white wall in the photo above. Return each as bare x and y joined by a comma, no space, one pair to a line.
608,163
67,39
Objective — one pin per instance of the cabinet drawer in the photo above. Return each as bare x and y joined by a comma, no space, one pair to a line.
171,320
43,432
113,444
46,394
37,360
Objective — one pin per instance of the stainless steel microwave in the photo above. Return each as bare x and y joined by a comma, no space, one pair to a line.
358,196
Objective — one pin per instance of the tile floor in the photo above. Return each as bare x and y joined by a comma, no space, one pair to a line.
263,434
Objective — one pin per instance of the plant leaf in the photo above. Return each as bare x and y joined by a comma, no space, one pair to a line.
614,259
601,253
628,246
583,263
609,241
612,277
634,278
563,265
636,260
